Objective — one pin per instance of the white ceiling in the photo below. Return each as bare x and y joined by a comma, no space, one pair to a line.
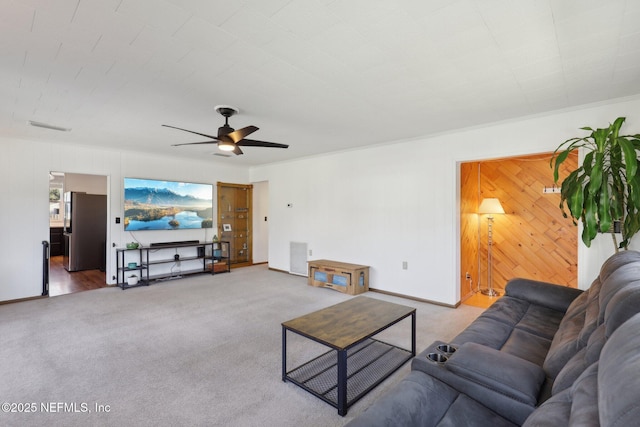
319,75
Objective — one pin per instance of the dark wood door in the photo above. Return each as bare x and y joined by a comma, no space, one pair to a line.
234,221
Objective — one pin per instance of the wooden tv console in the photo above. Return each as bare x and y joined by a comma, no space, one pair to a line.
348,278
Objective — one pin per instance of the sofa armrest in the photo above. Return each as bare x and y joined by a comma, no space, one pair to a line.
500,381
556,297
501,372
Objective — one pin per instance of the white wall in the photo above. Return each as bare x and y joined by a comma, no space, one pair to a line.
83,183
399,202
260,227
24,212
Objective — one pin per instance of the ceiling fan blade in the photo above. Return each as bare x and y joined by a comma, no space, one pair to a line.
237,151
255,143
194,143
190,131
239,134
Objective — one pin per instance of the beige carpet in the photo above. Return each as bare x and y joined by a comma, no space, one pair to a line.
201,351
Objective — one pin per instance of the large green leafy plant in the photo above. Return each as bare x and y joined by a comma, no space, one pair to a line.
606,188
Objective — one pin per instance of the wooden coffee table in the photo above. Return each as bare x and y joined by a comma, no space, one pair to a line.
356,362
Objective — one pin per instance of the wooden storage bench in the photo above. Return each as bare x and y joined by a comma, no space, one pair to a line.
351,279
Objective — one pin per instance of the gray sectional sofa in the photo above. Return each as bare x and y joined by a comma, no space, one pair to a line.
542,355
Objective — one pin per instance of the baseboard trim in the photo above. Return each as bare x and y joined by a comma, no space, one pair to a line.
281,271
11,301
394,294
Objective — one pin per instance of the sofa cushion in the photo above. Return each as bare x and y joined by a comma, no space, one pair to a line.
618,279
618,376
623,305
527,346
579,305
565,344
579,362
540,321
516,327
577,405
574,330
591,314
555,297
485,331
617,260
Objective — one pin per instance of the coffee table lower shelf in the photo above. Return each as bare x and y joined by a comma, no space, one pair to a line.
368,364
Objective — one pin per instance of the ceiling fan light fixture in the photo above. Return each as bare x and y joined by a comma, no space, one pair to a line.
226,145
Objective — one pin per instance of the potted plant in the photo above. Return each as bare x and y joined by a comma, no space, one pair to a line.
606,187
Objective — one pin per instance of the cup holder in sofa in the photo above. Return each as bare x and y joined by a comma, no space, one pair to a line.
447,349
437,358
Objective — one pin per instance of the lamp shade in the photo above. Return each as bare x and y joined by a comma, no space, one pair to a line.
490,206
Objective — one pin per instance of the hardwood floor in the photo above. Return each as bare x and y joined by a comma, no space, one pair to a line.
62,282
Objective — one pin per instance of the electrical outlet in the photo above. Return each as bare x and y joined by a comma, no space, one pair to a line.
310,252
405,265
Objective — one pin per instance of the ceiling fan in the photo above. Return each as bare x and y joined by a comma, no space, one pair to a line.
229,139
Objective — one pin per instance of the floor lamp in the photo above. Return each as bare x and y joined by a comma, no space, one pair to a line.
490,206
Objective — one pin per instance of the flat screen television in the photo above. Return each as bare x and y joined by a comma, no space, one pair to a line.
151,204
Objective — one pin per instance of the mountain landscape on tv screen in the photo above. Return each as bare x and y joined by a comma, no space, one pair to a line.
163,196
163,209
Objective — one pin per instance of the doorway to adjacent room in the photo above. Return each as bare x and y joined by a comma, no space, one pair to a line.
532,239
61,280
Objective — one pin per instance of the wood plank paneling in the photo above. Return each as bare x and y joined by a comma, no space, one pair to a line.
468,228
532,239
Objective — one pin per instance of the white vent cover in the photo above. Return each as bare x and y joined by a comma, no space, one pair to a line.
298,258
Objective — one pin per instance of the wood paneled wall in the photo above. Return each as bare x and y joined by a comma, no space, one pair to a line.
469,228
532,239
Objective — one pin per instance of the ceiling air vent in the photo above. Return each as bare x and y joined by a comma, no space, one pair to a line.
48,126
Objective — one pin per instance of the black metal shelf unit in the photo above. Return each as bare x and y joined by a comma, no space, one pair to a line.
210,257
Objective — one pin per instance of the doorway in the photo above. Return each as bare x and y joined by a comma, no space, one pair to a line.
532,239
61,280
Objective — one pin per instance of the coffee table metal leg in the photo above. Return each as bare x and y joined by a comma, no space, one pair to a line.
284,354
413,334
342,382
